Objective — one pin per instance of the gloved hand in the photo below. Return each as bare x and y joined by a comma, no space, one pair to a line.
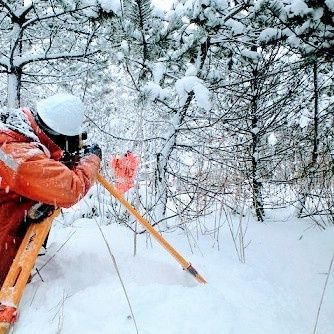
93,149
38,212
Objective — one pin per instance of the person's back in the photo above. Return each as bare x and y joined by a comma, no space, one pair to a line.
12,205
31,170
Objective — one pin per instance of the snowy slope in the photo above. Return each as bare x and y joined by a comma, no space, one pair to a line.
277,290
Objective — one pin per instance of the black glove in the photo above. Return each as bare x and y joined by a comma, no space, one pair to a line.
38,212
93,149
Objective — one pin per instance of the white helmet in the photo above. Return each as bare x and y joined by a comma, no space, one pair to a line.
63,113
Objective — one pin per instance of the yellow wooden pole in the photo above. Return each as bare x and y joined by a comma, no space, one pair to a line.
13,287
179,258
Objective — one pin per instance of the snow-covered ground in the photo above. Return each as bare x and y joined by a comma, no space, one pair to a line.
277,290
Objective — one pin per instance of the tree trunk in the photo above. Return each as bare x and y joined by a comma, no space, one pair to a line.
14,88
315,152
256,182
161,181
312,166
14,79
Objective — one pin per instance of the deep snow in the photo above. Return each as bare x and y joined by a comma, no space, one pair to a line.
277,290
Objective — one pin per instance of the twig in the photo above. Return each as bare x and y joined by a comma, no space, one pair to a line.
39,274
323,294
60,306
118,274
51,258
34,295
61,315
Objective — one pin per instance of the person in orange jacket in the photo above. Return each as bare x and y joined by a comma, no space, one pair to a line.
32,168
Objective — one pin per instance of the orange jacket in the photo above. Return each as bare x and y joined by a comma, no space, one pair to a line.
125,168
31,172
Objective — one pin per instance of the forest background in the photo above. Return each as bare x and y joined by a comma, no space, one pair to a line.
227,103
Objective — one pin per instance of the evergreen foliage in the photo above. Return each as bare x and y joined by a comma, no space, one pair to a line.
139,12
227,102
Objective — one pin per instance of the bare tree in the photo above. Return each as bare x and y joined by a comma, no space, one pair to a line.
42,32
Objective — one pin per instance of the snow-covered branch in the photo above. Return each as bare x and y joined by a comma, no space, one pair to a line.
22,61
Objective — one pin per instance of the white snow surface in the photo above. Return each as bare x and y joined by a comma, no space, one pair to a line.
277,290
303,121
330,4
272,139
298,8
251,55
163,4
154,91
107,5
191,83
110,5
236,27
158,71
269,34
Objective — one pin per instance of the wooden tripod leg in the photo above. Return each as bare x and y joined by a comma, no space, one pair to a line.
13,287
149,228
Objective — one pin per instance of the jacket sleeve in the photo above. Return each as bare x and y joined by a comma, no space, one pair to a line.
49,181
